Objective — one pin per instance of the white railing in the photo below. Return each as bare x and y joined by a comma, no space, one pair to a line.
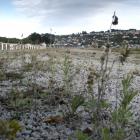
10,46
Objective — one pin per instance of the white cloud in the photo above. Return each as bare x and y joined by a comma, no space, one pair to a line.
65,16
15,27
62,10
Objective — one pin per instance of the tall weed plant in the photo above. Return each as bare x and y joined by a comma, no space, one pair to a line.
109,123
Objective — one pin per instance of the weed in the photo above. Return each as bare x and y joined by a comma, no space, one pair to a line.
13,75
18,102
125,52
122,116
77,101
81,136
67,68
9,129
109,124
52,68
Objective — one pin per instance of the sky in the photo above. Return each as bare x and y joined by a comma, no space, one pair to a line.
19,17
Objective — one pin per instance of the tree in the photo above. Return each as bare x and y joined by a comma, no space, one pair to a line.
35,38
48,38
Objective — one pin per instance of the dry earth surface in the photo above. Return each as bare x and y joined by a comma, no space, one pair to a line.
36,79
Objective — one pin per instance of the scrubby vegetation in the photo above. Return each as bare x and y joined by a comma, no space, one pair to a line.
34,38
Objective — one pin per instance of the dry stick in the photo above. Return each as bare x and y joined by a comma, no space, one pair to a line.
98,110
103,72
34,87
106,62
108,39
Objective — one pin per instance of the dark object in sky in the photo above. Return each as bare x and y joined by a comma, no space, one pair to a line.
115,19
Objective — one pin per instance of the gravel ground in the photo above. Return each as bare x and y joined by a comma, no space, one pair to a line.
34,126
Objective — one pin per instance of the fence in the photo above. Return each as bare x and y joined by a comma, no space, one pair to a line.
9,46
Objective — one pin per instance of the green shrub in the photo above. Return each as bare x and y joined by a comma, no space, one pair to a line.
77,101
9,129
81,136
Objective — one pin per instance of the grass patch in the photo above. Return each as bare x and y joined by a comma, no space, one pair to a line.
13,75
